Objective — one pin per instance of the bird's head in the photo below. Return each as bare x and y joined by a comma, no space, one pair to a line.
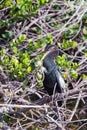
51,50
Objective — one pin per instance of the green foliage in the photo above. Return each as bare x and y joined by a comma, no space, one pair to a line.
36,129
20,64
22,7
3,51
6,3
39,79
18,11
74,74
41,2
18,41
7,119
84,76
84,33
85,53
68,44
74,65
85,17
71,32
7,35
65,64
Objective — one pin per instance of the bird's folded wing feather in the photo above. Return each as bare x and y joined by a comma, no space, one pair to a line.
61,81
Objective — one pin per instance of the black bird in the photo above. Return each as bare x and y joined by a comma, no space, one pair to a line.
53,80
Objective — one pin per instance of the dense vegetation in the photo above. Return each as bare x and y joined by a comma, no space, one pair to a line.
26,26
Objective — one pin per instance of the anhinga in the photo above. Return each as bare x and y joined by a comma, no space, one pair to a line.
53,80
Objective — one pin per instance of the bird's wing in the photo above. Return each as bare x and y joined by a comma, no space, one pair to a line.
60,80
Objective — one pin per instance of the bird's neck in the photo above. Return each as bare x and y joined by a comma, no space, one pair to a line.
49,63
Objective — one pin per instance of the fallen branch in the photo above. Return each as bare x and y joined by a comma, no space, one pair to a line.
70,94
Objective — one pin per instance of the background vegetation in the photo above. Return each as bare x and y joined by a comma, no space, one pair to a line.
26,26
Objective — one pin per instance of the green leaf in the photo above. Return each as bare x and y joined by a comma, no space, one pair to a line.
65,76
29,69
74,74
85,54
22,37
76,26
3,51
15,49
25,61
75,65
39,76
84,76
85,31
14,61
6,59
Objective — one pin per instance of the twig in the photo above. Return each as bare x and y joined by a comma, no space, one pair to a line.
23,106
74,110
71,94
